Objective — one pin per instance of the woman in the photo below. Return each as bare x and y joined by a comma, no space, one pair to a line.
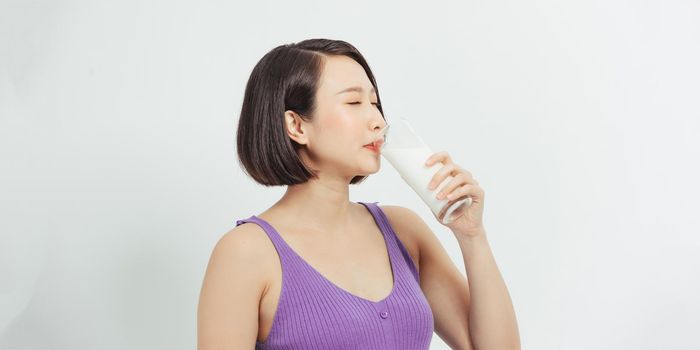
317,271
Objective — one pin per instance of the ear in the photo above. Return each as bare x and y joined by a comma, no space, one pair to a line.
296,127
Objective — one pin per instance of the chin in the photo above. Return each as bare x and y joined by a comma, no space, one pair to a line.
371,171
366,167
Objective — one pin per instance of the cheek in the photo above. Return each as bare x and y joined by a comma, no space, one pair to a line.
338,118
339,133
342,128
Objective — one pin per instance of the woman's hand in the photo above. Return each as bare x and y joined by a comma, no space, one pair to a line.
469,222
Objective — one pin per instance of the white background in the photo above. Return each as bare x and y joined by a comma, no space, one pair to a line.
579,119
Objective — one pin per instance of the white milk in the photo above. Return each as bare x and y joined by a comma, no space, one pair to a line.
410,164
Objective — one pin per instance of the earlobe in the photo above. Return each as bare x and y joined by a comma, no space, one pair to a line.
294,127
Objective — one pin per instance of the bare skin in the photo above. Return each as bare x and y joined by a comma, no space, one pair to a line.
340,239
356,260
336,234
317,218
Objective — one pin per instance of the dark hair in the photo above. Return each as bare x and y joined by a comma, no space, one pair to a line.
286,78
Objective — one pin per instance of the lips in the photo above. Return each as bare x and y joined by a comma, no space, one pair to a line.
377,144
372,148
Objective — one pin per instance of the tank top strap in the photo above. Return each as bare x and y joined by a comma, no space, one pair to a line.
389,234
280,245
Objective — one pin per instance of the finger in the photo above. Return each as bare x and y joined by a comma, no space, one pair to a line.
473,191
438,157
440,176
470,178
456,182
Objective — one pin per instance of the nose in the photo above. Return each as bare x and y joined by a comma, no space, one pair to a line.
378,124
376,132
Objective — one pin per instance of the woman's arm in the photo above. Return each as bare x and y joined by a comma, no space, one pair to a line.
227,315
470,313
492,320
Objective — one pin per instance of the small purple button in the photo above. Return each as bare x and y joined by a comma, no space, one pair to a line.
384,314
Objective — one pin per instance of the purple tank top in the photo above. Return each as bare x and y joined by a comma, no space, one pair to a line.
314,313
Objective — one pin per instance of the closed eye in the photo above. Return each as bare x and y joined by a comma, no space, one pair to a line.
358,102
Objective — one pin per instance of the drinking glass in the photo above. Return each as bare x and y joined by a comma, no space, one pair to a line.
407,153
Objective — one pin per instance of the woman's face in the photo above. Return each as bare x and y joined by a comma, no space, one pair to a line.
346,119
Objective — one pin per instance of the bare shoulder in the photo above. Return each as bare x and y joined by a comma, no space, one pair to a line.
236,278
248,246
241,257
242,236
408,227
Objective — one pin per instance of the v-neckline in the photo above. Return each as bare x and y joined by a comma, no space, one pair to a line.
333,284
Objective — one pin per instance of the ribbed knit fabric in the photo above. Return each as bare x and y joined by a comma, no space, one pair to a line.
314,313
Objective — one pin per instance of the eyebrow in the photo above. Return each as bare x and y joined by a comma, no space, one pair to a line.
357,89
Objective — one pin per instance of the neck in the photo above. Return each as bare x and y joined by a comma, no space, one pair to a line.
319,205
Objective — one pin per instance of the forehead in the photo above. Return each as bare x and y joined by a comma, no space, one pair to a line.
340,73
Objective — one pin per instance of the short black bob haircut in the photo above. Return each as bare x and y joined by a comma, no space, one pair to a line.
286,78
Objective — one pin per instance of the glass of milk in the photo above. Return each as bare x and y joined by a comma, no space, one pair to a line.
407,153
